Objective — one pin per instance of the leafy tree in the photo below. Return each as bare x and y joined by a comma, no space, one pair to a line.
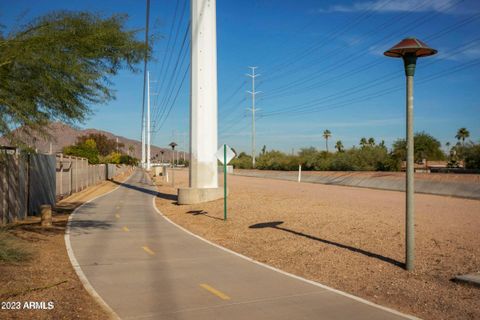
126,159
84,150
56,66
462,134
90,143
105,145
339,146
114,157
327,134
426,147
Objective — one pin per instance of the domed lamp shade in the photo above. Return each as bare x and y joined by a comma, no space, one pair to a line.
410,49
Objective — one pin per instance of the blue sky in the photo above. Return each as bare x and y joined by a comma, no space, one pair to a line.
321,65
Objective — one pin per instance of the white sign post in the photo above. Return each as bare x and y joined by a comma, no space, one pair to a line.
225,154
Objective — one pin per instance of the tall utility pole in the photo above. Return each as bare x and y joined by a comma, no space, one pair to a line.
148,120
147,20
143,141
253,93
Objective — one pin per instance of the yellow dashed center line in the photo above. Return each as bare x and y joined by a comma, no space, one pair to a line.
214,291
148,250
125,229
117,216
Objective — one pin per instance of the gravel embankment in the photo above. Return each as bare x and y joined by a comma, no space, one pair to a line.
351,239
452,185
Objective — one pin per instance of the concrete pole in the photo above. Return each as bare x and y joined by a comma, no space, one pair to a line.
203,109
410,214
61,174
253,93
143,142
148,120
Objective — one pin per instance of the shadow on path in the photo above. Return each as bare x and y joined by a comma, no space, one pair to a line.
275,225
166,196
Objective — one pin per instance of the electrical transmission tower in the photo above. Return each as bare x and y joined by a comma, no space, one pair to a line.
253,93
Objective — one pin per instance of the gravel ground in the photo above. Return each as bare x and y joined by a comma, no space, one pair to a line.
351,239
49,276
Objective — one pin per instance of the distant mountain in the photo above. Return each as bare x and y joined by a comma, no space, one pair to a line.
63,135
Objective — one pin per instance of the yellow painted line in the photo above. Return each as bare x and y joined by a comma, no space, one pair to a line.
214,291
117,216
125,229
148,250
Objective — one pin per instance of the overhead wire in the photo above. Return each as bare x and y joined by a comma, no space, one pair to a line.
278,92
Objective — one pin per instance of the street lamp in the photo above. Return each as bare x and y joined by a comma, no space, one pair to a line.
409,50
173,145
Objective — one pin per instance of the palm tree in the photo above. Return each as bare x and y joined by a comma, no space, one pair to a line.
363,142
339,146
327,134
462,134
371,142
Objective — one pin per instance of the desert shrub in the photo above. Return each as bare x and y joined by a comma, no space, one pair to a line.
277,160
471,154
242,161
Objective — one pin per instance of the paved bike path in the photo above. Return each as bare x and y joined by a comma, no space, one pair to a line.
144,267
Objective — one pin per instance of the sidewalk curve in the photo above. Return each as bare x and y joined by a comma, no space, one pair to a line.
143,266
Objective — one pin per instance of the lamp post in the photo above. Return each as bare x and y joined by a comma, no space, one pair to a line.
173,145
409,50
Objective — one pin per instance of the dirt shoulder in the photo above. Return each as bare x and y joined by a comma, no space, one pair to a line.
348,238
48,275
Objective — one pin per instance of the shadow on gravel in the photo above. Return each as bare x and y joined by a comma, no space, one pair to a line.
202,213
275,225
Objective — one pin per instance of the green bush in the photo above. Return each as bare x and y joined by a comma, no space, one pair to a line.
242,161
83,151
277,160
369,157
471,154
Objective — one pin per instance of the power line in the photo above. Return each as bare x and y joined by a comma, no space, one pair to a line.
295,59
165,73
314,108
277,92
169,40
176,96
182,54
229,98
